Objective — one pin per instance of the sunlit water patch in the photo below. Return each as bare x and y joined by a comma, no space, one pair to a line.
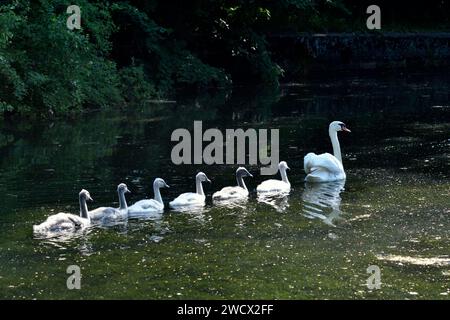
419,261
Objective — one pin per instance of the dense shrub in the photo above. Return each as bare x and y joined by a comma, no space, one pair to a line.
131,51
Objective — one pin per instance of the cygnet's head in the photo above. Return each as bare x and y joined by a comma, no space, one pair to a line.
338,126
202,177
84,194
122,188
283,166
242,172
160,183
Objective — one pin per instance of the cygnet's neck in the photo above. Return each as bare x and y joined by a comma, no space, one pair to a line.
199,187
122,200
83,208
284,177
240,181
157,193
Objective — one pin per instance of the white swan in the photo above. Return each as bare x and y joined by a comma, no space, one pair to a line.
190,198
148,207
105,215
66,222
276,186
326,167
234,193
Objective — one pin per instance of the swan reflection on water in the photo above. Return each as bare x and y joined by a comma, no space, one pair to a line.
80,241
322,201
195,213
279,201
231,203
59,239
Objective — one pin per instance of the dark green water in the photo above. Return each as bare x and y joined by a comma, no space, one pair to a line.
394,210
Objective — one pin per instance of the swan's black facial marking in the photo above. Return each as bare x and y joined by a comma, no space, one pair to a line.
344,127
242,172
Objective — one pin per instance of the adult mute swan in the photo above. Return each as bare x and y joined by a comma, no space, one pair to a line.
105,215
66,222
190,198
276,186
148,207
234,193
326,167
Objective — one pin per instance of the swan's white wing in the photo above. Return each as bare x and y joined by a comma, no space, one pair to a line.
230,193
59,223
107,214
273,185
78,221
148,204
324,161
97,214
187,199
323,168
54,222
144,208
58,218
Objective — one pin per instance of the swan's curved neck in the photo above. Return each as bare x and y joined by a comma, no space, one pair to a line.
84,209
240,181
284,177
122,200
335,144
199,187
157,193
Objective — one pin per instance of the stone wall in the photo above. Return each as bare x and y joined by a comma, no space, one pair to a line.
353,51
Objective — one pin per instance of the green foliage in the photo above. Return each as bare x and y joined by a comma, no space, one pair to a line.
190,70
44,67
130,51
135,86
167,60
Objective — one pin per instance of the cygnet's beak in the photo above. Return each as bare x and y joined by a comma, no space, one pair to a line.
90,198
166,185
249,174
208,180
127,190
346,129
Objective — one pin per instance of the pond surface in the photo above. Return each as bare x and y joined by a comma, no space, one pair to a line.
392,212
